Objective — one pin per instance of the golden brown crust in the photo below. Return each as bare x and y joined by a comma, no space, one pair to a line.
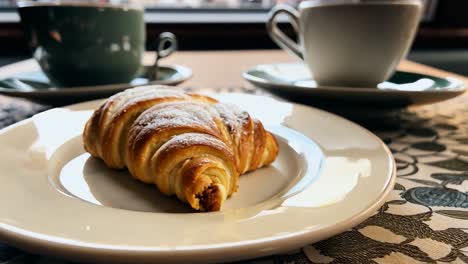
259,145
90,133
188,145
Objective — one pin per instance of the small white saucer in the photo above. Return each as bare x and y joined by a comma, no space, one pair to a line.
294,82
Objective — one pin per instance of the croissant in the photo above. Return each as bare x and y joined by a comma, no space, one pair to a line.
188,145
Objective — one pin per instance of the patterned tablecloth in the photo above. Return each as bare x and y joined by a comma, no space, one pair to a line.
425,219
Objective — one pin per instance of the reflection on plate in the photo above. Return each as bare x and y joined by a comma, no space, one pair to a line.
293,81
36,86
325,180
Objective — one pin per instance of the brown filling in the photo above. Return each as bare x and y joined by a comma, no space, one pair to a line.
209,199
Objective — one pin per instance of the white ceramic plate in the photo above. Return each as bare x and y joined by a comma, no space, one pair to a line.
294,82
37,87
329,176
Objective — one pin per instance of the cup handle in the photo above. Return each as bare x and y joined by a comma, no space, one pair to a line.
277,35
167,44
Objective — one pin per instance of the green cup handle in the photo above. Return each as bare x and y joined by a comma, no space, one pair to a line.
167,44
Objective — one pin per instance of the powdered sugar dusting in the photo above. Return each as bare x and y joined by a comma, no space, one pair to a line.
150,93
233,117
187,140
191,139
177,114
119,101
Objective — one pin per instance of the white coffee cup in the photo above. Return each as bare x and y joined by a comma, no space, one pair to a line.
349,43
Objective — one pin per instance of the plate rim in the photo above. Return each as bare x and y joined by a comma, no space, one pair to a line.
80,252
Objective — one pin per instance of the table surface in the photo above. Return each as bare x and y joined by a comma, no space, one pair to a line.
425,218
224,68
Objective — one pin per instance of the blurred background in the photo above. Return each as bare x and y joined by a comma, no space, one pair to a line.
442,40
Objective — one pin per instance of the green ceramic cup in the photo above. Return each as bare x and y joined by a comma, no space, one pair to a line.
85,44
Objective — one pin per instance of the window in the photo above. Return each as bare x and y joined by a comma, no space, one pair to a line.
212,5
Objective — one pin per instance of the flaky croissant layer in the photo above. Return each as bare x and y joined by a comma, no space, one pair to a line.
188,145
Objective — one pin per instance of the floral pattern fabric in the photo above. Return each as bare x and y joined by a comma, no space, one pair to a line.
425,218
